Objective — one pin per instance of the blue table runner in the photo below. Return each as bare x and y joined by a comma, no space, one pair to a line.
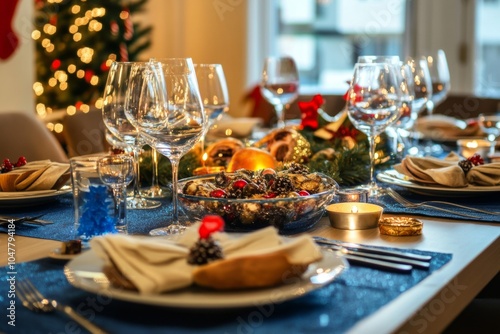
335,308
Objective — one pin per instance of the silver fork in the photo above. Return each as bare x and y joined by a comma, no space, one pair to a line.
33,300
408,204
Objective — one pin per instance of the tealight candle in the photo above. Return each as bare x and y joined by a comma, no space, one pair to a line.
354,215
468,147
353,195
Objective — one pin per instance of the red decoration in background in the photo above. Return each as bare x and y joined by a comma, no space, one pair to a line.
355,94
8,39
104,66
210,224
55,64
309,112
88,75
129,26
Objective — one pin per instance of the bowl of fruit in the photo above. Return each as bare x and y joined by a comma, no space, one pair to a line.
292,200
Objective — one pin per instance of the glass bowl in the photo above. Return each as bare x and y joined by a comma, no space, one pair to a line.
289,214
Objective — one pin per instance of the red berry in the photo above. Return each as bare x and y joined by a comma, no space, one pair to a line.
239,184
304,193
21,162
270,195
218,193
210,224
476,159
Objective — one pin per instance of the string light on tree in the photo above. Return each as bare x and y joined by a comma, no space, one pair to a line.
76,42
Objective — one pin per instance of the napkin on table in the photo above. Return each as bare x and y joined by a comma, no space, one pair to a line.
442,126
156,265
35,176
447,172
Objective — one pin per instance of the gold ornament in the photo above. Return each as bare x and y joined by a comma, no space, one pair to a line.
286,145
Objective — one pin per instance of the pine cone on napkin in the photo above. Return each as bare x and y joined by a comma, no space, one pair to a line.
159,265
35,176
447,172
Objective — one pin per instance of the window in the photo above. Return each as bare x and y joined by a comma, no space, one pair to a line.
325,37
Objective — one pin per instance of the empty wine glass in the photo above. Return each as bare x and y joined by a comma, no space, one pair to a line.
422,86
373,104
155,190
213,92
117,171
164,102
280,84
440,77
490,125
116,122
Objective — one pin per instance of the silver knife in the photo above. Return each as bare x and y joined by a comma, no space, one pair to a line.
395,259
351,246
378,264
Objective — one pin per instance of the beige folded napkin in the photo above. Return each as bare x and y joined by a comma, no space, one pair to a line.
36,175
446,127
447,172
156,265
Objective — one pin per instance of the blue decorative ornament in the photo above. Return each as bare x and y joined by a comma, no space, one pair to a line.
97,216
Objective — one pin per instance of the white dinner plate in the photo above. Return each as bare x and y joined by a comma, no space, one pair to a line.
85,272
393,177
15,199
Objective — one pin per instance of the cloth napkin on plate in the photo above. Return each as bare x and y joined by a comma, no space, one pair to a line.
445,127
447,172
156,265
35,176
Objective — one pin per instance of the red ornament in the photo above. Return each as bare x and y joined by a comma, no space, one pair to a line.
55,64
209,225
88,75
8,38
104,66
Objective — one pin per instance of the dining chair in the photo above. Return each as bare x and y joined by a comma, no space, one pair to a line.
23,134
84,133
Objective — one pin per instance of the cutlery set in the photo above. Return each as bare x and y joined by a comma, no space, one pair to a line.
376,257
31,220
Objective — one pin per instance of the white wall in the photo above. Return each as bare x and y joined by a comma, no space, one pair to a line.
17,72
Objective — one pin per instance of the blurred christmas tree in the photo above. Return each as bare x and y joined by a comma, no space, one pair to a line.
76,41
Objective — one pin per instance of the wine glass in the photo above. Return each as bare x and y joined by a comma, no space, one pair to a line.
116,122
213,92
164,102
373,104
490,125
117,171
155,190
280,84
440,77
422,86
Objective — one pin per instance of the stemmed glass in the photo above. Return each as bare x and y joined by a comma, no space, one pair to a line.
117,171
164,102
213,92
155,190
113,114
373,104
422,86
440,77
280,84
490,125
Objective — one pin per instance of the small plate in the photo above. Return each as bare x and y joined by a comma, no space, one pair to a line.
19,199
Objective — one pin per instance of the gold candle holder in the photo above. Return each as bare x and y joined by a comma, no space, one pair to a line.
354,215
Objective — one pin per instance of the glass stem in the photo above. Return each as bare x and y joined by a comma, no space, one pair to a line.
137,170
154,181
175,171
121,207
280,115
371,140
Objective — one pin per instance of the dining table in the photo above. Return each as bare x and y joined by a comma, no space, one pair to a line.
360,299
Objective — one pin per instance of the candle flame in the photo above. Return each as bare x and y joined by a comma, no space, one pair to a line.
204,157
354,209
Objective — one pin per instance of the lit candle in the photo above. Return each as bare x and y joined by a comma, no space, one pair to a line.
354,215
468,147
